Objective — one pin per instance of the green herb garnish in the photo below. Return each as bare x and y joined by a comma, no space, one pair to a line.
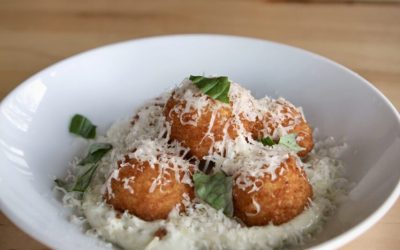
289,141
267,141
215,87
82,181
82,126
96,152
216,190
87,170
89,165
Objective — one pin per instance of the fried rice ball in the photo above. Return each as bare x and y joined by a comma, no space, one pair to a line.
199,137
286,116
131,190
276,201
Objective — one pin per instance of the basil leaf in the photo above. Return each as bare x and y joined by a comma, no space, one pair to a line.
216,190
215,87
86,172
83,181
96,152
289,141
267,141
81,126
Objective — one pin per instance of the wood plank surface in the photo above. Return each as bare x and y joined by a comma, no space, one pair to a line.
363,37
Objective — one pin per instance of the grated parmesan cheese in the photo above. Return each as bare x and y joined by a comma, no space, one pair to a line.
147,138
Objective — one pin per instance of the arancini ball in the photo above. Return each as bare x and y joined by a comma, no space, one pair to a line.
200,130
285,116
146,191
274,201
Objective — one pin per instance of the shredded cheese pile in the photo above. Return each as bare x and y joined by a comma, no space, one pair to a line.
146,137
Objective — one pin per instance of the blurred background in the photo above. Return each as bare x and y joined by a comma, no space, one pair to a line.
363,35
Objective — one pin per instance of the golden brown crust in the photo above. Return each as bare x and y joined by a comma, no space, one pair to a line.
304,134
195,137
292,117
138,200
280,200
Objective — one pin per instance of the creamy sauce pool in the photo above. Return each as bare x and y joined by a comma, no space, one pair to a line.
203,227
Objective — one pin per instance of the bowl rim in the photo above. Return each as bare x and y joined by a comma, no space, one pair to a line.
333,243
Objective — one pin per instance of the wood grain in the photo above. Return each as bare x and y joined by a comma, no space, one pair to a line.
363,37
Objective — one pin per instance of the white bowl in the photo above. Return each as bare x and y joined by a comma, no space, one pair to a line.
108,83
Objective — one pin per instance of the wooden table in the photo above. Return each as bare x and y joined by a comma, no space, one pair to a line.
363,37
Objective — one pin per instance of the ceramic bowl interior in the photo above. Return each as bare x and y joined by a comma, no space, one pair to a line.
107,84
